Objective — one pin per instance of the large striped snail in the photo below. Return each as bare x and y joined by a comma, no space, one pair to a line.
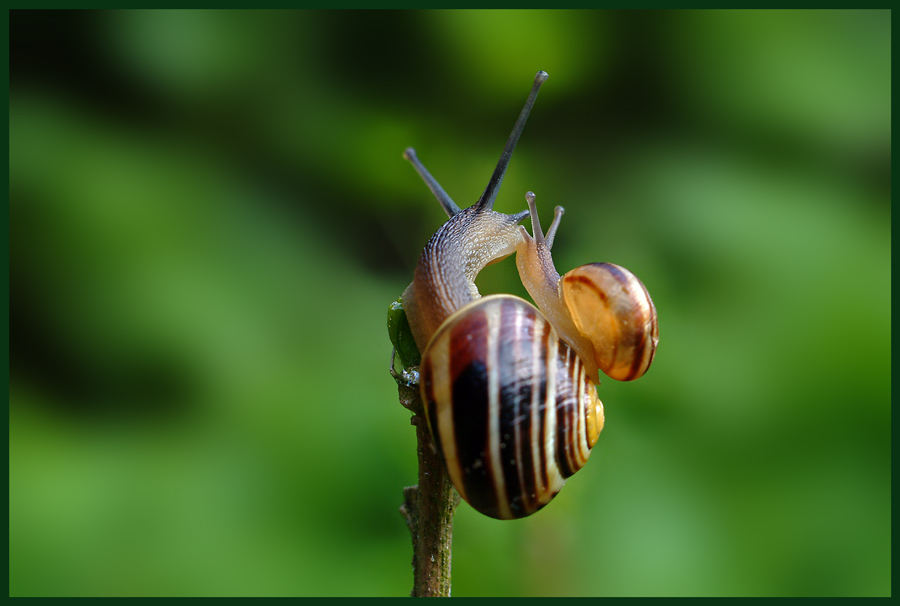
509,392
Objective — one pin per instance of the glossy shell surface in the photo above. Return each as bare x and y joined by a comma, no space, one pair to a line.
509,406
613,309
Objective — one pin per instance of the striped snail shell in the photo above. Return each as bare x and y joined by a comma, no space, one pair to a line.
509,392
509,406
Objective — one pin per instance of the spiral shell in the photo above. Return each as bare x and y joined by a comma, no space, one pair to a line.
613,309
509,406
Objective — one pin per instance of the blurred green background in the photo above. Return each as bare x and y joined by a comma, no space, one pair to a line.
209,215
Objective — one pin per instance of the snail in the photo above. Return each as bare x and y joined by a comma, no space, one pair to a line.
601,309
510,392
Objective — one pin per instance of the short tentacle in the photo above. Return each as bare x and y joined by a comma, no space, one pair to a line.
539,236
551,233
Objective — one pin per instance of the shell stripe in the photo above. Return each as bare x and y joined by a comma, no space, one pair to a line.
643,348
584,409
516,416
496,372
563,421
576,428
555,479
642,362
436,389
513,417
538,411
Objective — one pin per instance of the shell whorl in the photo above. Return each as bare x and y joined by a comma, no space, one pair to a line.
612,307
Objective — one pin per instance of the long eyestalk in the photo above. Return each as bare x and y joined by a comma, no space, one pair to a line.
490,192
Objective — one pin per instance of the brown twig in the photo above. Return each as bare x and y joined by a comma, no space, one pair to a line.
427,508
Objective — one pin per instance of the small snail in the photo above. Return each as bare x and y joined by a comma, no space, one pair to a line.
509,392
600,309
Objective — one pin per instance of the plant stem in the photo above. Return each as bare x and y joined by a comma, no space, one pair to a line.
428,508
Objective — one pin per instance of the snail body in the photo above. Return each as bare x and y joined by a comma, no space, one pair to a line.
444,279
509,390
